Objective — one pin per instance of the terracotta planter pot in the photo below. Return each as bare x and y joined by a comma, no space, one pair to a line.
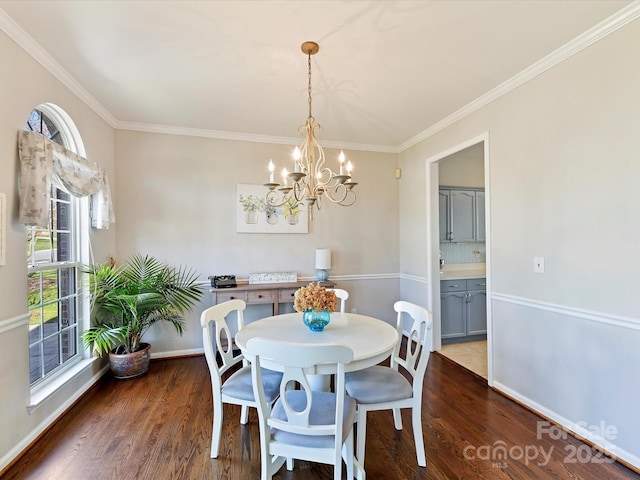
130,365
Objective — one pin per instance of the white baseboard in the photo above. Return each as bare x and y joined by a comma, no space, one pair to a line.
49,420
190,352
579,430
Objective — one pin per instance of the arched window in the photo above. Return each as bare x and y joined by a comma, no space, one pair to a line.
54,255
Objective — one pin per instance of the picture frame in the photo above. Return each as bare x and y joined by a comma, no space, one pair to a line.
255,215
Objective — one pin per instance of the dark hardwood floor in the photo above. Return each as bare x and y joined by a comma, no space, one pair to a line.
159,427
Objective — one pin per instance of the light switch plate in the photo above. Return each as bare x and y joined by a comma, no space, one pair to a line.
538,264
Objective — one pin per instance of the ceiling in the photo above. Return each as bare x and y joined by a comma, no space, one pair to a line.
386,70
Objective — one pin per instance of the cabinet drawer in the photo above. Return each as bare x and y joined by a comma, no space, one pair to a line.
226,296
453,286
287,295
261,296
477,284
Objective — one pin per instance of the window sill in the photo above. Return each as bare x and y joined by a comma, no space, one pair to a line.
43,392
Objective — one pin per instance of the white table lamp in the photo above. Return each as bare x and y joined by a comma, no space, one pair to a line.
323,263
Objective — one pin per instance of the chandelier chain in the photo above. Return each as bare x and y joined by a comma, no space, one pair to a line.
309,84
311,179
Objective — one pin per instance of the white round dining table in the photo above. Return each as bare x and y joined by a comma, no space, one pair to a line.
372,340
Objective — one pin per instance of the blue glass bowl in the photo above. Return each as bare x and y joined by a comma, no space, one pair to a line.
316,321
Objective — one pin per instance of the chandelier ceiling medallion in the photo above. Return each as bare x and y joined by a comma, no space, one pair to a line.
311,180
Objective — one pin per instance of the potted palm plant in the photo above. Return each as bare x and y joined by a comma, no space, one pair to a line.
127,299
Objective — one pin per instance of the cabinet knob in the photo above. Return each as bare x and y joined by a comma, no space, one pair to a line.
259,296
232,298
454,286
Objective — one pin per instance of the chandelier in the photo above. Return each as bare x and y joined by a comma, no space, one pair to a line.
311,181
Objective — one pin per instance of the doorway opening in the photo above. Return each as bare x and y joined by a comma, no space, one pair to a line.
459,254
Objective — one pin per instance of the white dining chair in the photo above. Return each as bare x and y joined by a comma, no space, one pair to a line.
386,388
343,295
303,424
219,349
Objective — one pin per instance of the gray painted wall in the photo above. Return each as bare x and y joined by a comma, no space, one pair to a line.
563,170
176,199
564,343
25,85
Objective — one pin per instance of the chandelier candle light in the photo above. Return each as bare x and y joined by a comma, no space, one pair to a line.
311,180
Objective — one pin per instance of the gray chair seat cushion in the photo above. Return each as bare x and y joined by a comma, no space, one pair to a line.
239,385
323,412
377,384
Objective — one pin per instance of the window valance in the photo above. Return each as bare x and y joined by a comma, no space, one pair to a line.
43,162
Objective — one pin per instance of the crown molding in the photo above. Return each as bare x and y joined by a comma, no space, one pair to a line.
244,137
604,28
201,132
33,48
601,30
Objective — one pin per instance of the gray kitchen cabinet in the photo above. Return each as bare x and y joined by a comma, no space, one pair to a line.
480,233
463,310
461,213
453,296
476,306
443,206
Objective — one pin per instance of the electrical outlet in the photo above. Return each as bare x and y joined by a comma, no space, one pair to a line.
354,310
538,264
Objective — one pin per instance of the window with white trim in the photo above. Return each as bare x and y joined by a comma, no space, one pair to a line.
54,266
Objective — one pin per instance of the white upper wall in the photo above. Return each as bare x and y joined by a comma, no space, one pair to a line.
464,168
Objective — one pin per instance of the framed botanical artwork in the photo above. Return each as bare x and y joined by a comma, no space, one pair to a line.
3,229
255,215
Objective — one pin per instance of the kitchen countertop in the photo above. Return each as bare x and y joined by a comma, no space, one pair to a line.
461,271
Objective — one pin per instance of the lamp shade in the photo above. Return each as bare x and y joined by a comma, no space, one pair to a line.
323,258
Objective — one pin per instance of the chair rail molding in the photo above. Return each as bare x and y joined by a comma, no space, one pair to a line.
14,322
414,278
606,318
334,278
367,276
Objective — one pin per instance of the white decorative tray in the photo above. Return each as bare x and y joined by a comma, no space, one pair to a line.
273,277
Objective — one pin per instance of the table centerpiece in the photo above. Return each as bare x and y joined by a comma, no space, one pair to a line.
316,304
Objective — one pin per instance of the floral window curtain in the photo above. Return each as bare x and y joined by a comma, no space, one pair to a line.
43,162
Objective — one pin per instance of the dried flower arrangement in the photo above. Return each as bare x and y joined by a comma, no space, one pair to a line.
315,297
